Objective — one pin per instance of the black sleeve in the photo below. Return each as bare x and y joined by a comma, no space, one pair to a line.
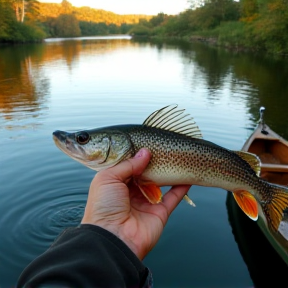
86,256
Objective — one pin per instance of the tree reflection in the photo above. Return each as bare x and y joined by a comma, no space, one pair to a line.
269,76
262,79
22,85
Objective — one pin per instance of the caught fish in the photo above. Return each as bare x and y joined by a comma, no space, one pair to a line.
179,156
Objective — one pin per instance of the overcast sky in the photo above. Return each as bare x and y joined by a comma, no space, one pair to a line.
149,7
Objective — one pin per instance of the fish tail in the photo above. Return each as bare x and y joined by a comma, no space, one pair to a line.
273,204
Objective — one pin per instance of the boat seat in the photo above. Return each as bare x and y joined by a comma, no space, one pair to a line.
274,167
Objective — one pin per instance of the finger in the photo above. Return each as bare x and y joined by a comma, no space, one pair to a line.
173,197
131,167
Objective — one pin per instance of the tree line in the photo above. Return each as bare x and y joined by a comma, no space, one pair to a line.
30,20
254,24
16,21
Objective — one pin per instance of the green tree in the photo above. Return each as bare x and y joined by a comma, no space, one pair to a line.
145,22
66,25
101,28
158,20
12,30
125,28
248,10
270,28
180,24
92,29
7,19
139,30
113,29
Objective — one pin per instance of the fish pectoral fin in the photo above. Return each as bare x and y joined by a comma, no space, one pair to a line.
189,200
150,190
247,203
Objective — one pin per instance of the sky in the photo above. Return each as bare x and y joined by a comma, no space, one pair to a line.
149,7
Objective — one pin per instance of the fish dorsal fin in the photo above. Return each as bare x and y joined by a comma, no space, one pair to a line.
252,160
172,119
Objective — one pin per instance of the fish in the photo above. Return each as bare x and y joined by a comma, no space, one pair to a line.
180,156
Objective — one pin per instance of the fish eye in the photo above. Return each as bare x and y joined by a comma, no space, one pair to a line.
83,138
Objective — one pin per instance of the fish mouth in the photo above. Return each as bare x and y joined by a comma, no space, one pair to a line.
65,142
61,139
59,136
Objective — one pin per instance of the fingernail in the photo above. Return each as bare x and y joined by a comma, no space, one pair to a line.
139,154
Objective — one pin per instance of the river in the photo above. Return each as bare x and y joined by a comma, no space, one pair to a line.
71,84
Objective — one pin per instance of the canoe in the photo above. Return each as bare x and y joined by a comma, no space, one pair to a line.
272,150
263,251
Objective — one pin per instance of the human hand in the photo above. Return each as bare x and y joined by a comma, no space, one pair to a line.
116,204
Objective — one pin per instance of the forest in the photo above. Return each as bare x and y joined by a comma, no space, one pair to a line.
30,20
245,24
257,25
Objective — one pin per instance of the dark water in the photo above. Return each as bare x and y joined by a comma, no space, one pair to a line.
93,82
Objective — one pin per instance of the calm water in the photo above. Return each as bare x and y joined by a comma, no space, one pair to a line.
93,82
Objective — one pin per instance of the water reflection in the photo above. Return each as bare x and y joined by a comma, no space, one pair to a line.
23,87
262,80
25,80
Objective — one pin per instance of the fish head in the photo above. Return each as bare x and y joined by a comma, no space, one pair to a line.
97,149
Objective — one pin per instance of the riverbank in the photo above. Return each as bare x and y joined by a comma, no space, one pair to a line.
221,41
214,41
234,46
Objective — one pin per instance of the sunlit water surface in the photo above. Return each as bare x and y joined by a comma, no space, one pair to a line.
70,84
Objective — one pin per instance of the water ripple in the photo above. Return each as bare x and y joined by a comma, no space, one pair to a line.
36,223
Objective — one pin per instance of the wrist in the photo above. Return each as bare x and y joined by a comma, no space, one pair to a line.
117,231
113,242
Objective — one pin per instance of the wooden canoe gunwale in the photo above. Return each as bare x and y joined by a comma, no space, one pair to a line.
272,150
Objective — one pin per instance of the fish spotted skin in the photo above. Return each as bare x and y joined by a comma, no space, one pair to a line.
180,159
179,156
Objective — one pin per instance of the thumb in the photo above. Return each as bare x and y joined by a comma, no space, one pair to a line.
131,167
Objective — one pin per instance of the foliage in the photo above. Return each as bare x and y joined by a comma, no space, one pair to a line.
158,19
13,29
232,34
7,18
125,28
159,31
140,30
249,10
256,24
90,28
253,24
40,20
87,14
145,22
155,26
270,29
178,25
21,32
91,21
66,25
